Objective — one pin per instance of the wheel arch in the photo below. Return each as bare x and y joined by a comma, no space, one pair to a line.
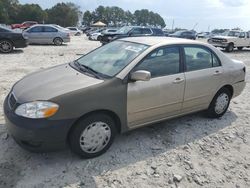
110,113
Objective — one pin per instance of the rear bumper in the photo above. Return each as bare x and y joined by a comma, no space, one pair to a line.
238,88
37,135
66,40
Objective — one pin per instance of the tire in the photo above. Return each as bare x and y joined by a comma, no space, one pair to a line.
240,48
99,38
97,130
219,104
230,47
6,46
58,41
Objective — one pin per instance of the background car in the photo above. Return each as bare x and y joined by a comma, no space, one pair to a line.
23,25
97,35
10,39
46,34
74,31
184,34
130,31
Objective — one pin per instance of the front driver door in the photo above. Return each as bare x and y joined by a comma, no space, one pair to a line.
162,95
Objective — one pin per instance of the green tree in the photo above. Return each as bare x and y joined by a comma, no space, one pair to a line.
8,11
64,14
31,12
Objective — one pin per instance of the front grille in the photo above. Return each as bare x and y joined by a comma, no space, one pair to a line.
12,100
217,40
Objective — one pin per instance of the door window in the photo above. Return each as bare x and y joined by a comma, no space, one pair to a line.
49,29
242,35
146,31
198,58
136,31
37,29
161,62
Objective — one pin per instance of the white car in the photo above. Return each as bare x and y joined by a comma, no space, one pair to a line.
232,39
95,36
74,31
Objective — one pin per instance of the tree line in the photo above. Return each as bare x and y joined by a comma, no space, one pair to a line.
64,14
68,14
116,16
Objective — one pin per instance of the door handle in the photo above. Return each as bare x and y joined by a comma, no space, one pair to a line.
217,73
178,80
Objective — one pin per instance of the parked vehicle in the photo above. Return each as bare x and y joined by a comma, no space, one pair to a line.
23,25
130,31
46,34
94,30
126,84
230,40
97,35
204,35
75,31
184,34
10,39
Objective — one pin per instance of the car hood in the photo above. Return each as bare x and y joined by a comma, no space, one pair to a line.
51,82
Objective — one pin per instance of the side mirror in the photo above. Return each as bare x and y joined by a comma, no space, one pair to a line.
140,75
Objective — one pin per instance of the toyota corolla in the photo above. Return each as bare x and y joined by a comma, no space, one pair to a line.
126,84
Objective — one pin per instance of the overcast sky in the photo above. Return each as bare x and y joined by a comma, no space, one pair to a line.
186,14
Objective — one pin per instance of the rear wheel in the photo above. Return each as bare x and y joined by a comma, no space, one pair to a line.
93,135
58,41
230,47
6,46
219,104
240,48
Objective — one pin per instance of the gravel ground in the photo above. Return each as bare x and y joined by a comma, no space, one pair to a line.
191,151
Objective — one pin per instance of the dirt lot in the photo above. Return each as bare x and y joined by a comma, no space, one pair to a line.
191,151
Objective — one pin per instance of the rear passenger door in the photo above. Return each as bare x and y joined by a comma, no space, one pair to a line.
203,73
49,33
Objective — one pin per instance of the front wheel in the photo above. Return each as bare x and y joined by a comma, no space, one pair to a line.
6,46
230,47
92,136
219,104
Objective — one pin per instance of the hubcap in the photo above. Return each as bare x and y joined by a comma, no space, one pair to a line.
95,137
5,46
58,42
221,103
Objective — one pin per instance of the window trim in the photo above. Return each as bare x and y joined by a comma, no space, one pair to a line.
181,63
202,47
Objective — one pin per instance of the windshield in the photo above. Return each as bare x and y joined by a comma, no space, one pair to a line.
112,58
124,30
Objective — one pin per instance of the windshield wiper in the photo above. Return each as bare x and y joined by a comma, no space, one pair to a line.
85,68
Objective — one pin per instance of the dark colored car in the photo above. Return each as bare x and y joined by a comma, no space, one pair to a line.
23,25
10,39
184,34
130,31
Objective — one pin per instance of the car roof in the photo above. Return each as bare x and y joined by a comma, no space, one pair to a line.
154,40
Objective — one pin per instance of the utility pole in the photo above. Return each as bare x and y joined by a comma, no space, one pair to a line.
173,25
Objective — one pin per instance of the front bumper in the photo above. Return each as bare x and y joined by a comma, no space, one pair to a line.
37,135
217,44
22,43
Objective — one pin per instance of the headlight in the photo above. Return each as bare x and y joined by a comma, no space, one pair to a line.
37,109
